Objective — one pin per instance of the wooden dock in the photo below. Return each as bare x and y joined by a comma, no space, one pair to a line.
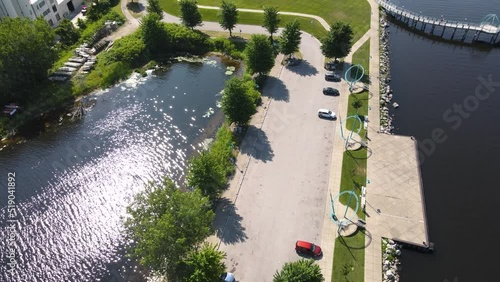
490,27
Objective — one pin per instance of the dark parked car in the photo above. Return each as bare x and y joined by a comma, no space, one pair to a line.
331,76
292,61
307,248
330,66
227,277
330,91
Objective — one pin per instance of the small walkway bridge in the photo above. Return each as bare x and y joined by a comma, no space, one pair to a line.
489,26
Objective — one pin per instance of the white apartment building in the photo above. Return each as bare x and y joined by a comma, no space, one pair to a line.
53,11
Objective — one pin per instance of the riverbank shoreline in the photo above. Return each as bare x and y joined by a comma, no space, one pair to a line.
43,119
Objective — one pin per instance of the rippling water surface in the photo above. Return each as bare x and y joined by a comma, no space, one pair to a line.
459,175
74,182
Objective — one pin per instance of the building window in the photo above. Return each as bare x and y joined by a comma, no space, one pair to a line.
54,8
58,18
41,4
51,22
46,12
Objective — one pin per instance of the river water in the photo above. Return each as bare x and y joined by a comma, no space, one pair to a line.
74,181
436,85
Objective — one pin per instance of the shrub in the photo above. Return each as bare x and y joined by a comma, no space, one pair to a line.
183,39
130,49
81,24
222,149
226,47
114,72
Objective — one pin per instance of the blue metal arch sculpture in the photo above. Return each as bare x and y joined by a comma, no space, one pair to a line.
349,78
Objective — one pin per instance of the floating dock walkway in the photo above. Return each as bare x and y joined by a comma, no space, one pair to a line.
487,31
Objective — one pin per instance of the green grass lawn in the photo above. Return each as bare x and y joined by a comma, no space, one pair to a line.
356,12
363,111
118,9
353,176
349,262
349,252
362,57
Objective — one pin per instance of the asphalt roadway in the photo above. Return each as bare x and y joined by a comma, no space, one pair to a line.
282,194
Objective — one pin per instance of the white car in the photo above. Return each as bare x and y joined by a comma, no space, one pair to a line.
325,113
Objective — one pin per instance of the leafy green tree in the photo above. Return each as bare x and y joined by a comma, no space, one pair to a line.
299,271
338,42
252,91
237,104
67,32
205,174
259,55
190,15
154,7
26,53
228,16
205,264
166,224
271,20
290,38
153,32
97,9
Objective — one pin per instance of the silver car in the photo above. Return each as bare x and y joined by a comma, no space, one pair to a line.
325,113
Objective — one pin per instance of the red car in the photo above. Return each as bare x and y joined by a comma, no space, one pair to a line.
307,248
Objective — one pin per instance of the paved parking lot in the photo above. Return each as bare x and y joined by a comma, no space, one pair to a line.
281,197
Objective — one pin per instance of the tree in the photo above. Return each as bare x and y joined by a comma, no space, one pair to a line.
338,41
237,104
259,55
205,264
290,38
299,271
228,16
81,23
97,9
67,32
26,53
204,174
166,224
190,15
154,7
271,20
357,104
153,32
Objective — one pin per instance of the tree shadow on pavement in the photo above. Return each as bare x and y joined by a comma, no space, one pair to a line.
135,7
257,145
276,90
303,69
227,223
368,240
